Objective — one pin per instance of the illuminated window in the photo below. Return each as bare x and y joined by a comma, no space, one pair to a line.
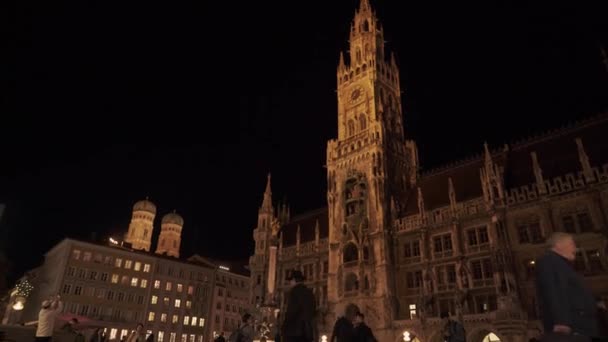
192,338
147,268
200,338
166,300
172,337
180,287
114,278
154,300
124,332
178,303
113,333
163,317
161,336
175,319
201,322
151,316
144,283
190,289
137,266
186,320
128,264
134,282
157,284
188,304
168,286
76,254
412,311
184,337
118,262
86,256
194,319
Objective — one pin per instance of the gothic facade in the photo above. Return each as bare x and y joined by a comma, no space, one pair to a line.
405,246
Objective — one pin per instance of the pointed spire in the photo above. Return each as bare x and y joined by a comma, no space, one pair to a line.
487,154
364,6
420,202
584,159
342,64
538,174
267,203
452,194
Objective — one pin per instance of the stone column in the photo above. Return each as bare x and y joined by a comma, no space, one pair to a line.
272,274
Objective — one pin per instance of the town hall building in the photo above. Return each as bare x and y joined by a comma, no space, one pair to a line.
405,246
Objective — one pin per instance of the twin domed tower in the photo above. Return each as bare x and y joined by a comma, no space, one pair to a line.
142,225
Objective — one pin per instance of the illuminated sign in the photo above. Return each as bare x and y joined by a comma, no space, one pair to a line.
224,268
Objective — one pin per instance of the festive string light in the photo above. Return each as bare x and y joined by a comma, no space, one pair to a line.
24,288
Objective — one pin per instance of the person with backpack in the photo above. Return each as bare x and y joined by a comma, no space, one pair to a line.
453,331
245,332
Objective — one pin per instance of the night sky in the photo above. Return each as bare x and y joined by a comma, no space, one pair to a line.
191,103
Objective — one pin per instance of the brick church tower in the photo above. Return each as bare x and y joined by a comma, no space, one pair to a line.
370,168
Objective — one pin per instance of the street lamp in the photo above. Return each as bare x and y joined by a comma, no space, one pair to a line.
406,336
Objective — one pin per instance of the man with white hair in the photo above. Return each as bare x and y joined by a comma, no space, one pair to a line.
46,318
567,305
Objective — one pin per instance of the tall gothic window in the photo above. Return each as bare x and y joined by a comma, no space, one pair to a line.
351,128
362,122
350,253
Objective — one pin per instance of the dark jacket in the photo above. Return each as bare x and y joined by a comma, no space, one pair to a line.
344,331
363,333
300,313
563,297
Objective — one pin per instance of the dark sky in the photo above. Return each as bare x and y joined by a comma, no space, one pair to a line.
191,103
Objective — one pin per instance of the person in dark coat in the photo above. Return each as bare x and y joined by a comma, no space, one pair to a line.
363,333
602,321
344,330
298,322
566,304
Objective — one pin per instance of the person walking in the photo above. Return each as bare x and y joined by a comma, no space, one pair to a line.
453,331
298,323
363,333
567,306
344,330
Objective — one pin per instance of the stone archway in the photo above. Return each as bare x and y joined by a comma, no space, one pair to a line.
408,335
485,334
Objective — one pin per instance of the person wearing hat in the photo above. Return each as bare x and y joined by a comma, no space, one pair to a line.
46,318
298,323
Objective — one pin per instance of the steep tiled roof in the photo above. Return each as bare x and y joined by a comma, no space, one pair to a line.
556,152
307,223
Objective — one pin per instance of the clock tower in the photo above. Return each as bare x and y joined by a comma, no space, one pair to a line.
370,168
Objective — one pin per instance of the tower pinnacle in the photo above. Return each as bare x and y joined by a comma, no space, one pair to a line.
267,202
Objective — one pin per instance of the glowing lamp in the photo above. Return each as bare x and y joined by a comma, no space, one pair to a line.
324,338
114,242
224,268
406,336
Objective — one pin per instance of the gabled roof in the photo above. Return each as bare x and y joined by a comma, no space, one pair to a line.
307,223
557,155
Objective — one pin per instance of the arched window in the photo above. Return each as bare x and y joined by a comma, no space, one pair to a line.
364,67
362,122
351,283
365,26
351,253
351,128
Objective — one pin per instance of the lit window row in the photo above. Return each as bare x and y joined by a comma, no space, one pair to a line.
191,321
179,287
118,262
114,335
166,300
